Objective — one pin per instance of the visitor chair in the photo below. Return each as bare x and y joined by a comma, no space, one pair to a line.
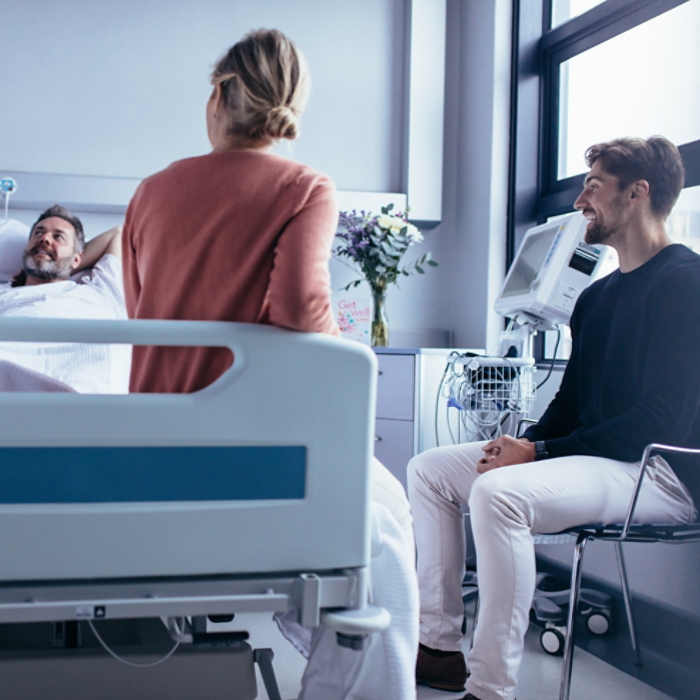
617,533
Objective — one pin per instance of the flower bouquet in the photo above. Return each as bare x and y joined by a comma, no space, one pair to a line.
375,246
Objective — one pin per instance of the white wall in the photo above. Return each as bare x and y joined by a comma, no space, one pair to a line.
119,89
481,31
122,89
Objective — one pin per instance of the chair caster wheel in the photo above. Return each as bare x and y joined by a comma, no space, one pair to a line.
552,641
598,622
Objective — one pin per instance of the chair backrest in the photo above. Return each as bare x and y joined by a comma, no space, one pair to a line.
687,468
266,470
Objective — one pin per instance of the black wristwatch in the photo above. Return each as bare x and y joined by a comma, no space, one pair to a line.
540,451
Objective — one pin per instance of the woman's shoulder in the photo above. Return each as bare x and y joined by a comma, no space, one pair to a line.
286,166
279,179
247,161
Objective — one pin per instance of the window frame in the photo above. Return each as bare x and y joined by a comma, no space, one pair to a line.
535,193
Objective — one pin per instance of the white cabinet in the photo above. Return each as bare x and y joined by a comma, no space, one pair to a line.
407,388
396,386
394,445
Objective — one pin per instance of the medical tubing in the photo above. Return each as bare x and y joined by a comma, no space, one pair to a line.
447,420
437,398
554,358
124,661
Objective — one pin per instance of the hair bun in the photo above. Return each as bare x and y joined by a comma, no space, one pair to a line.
282,123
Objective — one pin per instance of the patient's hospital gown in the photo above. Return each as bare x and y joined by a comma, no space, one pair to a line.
84,367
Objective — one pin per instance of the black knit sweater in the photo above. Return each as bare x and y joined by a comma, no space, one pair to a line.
634,373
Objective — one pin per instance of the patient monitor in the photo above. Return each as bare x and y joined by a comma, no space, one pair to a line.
551,269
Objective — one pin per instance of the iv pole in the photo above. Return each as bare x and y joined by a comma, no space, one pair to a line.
8,186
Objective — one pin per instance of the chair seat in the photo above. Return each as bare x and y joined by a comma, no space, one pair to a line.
665,532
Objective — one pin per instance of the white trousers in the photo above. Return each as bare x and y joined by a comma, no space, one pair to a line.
507,506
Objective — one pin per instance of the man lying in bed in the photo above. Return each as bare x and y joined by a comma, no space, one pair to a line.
63,277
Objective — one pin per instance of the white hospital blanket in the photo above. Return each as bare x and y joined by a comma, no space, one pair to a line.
386,667
85,367
16,378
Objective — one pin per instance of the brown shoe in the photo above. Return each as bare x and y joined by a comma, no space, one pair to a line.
441,670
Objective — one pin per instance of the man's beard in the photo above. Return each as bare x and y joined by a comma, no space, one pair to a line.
599,233
47,270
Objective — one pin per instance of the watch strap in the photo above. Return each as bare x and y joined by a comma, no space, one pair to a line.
540,451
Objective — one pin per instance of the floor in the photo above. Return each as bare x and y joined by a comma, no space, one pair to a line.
539,673
92,675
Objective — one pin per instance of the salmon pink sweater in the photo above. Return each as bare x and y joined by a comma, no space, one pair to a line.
230,236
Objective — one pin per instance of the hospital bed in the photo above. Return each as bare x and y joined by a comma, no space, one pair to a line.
250,495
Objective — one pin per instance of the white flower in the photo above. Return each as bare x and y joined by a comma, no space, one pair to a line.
413,234
386,222
396,225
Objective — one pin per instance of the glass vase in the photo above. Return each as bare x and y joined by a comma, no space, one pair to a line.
380,321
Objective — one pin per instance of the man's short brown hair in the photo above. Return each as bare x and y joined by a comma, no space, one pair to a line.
74,221
655,160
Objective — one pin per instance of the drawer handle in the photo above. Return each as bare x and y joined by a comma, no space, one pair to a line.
379,372
377,438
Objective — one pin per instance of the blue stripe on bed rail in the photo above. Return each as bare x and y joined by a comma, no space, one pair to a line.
146,474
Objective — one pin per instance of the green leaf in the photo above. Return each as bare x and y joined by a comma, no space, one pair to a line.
432,263
420,270
388,207
385,210
406,272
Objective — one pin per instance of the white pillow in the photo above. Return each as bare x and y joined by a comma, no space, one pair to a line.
14,236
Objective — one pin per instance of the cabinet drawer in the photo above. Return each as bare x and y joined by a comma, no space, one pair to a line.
395,390
393,445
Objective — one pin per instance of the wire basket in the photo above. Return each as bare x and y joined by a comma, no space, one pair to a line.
490,393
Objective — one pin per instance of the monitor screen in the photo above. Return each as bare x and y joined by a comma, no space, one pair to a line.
529,261
584,259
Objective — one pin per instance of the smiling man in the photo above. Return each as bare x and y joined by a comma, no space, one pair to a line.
55,248
65,277
633,378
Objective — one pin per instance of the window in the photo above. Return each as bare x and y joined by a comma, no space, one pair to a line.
586,71
564,10
621,87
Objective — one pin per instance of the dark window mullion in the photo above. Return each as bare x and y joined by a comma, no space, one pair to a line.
604,22
561,197
690,152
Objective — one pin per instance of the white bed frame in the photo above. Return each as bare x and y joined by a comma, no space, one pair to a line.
83,560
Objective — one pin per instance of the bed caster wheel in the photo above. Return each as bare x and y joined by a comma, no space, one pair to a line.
598,622
552,641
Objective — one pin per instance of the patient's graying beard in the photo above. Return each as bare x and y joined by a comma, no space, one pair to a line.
47,270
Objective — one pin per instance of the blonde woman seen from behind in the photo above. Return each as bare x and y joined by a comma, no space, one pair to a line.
241,234
238,234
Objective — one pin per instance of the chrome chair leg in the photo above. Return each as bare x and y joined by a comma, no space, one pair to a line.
571,621
628,604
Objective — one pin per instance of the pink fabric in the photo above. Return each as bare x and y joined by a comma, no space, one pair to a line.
232,236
